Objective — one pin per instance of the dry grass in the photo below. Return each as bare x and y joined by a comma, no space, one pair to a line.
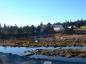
60,40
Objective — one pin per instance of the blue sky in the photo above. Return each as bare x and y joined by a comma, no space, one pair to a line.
28,12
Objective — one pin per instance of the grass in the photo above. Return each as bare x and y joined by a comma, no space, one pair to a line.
68,40
83,27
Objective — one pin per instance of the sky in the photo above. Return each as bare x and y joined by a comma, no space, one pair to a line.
33,12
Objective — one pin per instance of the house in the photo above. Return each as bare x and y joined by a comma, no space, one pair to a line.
73,26
43,27
58,28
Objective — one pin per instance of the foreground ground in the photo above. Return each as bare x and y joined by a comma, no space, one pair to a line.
7,58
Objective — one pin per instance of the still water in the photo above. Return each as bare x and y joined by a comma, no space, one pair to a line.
42,59
20,50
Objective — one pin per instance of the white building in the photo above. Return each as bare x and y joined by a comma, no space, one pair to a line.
58,28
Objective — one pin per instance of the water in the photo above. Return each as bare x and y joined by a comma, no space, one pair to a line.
20,50
42,59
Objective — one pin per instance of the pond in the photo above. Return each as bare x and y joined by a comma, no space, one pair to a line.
42,59
20,50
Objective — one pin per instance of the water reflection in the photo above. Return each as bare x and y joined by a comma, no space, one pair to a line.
47,62
15,59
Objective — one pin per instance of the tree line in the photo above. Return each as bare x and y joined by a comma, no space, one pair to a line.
28,31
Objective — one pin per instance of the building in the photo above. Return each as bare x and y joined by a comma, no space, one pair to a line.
58,28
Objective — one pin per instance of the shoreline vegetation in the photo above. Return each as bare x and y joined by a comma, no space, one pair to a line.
58,40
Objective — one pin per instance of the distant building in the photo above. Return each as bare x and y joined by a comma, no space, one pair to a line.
43,27
58,28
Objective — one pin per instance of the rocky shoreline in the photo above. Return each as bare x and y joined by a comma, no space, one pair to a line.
60,52
7,58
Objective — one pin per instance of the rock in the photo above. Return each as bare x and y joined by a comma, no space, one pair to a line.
82,55
68,55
